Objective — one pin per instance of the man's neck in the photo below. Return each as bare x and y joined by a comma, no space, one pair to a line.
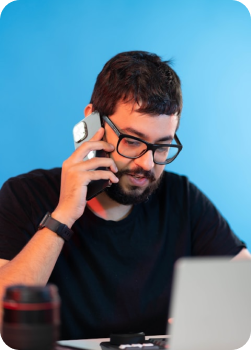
106,208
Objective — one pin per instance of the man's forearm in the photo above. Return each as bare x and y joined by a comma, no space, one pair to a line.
34,264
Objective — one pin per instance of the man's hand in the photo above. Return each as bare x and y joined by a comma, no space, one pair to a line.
77,174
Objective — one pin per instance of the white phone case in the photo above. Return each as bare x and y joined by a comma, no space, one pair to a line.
82,132
86,128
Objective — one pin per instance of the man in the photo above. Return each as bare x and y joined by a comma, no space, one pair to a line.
115,273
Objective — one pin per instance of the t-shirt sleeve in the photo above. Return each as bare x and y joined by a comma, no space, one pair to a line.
211,233
15,219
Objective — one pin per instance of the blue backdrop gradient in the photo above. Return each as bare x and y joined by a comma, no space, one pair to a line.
52,50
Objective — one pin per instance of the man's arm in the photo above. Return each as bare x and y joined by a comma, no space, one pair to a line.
35,262
243,255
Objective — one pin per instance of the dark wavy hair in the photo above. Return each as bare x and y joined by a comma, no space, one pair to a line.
141,77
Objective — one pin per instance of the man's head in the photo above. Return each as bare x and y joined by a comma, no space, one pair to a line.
142,97
140,77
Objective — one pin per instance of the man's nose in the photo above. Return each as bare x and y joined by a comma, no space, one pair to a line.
146,161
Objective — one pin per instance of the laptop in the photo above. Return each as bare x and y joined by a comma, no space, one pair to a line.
210,307
210,304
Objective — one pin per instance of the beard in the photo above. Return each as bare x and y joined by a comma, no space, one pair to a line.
133,195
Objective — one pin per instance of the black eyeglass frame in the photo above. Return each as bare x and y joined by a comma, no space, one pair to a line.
150,146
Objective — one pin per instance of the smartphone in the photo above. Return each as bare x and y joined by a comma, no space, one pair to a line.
82,132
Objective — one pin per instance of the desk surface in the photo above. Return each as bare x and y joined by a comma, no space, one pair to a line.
93,344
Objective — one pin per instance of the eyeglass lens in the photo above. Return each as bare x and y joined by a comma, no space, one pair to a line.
132,148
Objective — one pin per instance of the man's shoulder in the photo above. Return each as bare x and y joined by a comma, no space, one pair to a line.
38,174
34,190
35,178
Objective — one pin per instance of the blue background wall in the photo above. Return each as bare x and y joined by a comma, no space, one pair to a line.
52,50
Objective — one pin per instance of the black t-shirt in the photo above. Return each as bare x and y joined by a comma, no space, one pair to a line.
116,276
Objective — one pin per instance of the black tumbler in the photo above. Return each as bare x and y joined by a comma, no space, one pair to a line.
31,317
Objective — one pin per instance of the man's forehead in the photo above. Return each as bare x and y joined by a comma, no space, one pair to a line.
131,107
151,127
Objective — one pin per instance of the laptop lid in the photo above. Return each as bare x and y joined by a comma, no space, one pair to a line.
210,304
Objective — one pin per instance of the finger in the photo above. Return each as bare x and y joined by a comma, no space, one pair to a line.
102,175
82,151
95,163
91,166
81,177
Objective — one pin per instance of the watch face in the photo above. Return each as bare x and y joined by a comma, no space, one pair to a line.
80,132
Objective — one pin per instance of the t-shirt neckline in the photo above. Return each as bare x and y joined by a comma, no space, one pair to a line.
100,221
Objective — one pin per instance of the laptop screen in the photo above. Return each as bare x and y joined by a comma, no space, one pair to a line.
210,304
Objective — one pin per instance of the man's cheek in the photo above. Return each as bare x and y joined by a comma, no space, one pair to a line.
159,171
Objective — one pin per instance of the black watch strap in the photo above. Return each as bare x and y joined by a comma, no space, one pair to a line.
60,229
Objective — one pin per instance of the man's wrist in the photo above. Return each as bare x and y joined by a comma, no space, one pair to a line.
56,226
59,215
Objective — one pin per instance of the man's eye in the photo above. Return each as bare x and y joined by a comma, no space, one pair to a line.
162,150
131,142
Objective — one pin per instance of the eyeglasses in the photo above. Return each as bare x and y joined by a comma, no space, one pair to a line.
132,147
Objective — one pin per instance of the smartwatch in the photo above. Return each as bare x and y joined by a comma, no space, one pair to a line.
60,229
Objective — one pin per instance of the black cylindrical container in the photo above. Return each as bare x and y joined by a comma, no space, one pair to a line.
31,318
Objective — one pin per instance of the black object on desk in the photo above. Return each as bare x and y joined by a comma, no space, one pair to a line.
129,338
133,341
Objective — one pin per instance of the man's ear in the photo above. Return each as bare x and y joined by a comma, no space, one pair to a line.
88,109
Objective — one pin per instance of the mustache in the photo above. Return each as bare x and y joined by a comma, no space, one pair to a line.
137,171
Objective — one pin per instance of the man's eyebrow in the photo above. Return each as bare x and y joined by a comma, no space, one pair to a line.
143,136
